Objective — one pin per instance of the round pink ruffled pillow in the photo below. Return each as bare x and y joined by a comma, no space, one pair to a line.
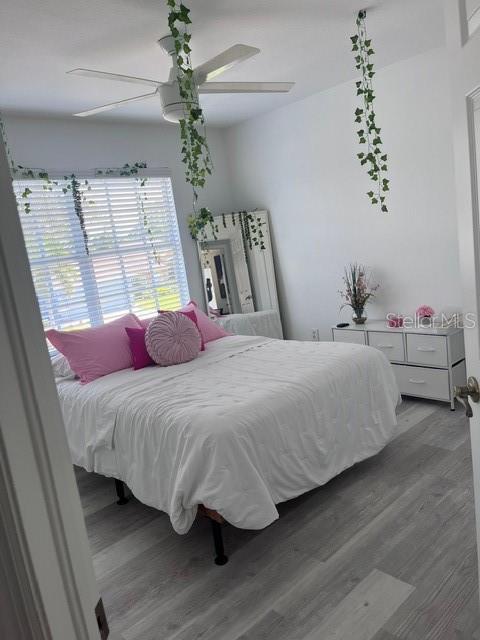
172,338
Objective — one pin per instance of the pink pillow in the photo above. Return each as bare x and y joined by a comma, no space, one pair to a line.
193,317
144,323
209,330
172,338
97,351
190,314
140,356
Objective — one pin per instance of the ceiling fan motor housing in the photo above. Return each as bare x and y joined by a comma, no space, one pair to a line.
167,44
173,105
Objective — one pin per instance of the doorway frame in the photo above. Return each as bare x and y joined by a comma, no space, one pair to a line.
44,551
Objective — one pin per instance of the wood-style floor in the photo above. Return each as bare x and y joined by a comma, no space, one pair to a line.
386,551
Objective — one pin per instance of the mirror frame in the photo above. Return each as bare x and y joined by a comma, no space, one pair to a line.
259,261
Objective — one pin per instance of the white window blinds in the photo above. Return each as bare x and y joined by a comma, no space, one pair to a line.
100,247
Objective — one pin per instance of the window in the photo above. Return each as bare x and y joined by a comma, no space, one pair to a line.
106,247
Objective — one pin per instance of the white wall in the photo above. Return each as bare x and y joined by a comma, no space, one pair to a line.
53,143
300,163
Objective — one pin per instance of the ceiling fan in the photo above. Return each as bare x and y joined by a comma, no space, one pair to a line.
168,92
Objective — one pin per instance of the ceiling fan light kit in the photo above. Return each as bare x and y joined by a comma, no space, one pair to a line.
171,101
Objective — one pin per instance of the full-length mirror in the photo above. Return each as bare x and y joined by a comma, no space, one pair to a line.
237,270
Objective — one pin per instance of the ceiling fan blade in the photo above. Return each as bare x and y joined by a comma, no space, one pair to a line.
245,87
113,105
91,73
224,61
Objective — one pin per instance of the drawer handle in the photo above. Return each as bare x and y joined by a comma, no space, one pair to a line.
385,346
426,349
413,381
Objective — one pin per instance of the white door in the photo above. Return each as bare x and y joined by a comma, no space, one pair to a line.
46,571
463,36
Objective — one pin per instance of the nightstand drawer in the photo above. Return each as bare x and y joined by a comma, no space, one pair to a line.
430,350
391,344
423,382
343,335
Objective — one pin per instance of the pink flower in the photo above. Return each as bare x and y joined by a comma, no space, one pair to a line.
424,311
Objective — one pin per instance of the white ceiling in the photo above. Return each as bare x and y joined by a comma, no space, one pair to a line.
305,41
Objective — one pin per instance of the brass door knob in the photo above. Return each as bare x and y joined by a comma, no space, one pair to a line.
471,390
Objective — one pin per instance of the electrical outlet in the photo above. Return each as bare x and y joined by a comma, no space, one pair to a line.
316,335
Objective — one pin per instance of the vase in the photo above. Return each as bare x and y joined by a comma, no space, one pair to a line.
425,321
359,319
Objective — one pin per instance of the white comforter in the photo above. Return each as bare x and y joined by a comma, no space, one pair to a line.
250,423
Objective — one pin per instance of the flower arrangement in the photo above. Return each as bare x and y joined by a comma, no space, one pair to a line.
358,290
424,315
425,311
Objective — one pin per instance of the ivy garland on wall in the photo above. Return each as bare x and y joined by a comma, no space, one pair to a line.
78,187
250,227
369,133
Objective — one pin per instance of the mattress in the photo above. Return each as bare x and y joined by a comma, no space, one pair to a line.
248,424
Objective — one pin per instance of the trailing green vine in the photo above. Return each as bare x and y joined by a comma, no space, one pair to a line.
195,151
78,187
130,170
251,226
369,133
249,223
199,222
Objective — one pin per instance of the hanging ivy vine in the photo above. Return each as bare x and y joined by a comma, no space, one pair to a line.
249,223
194,146
78,187
200,222
369,133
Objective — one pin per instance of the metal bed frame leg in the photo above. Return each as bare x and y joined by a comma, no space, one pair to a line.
120,489
220,558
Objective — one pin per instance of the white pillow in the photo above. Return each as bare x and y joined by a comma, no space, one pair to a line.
60,366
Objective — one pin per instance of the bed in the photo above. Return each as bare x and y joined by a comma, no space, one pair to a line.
250,423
